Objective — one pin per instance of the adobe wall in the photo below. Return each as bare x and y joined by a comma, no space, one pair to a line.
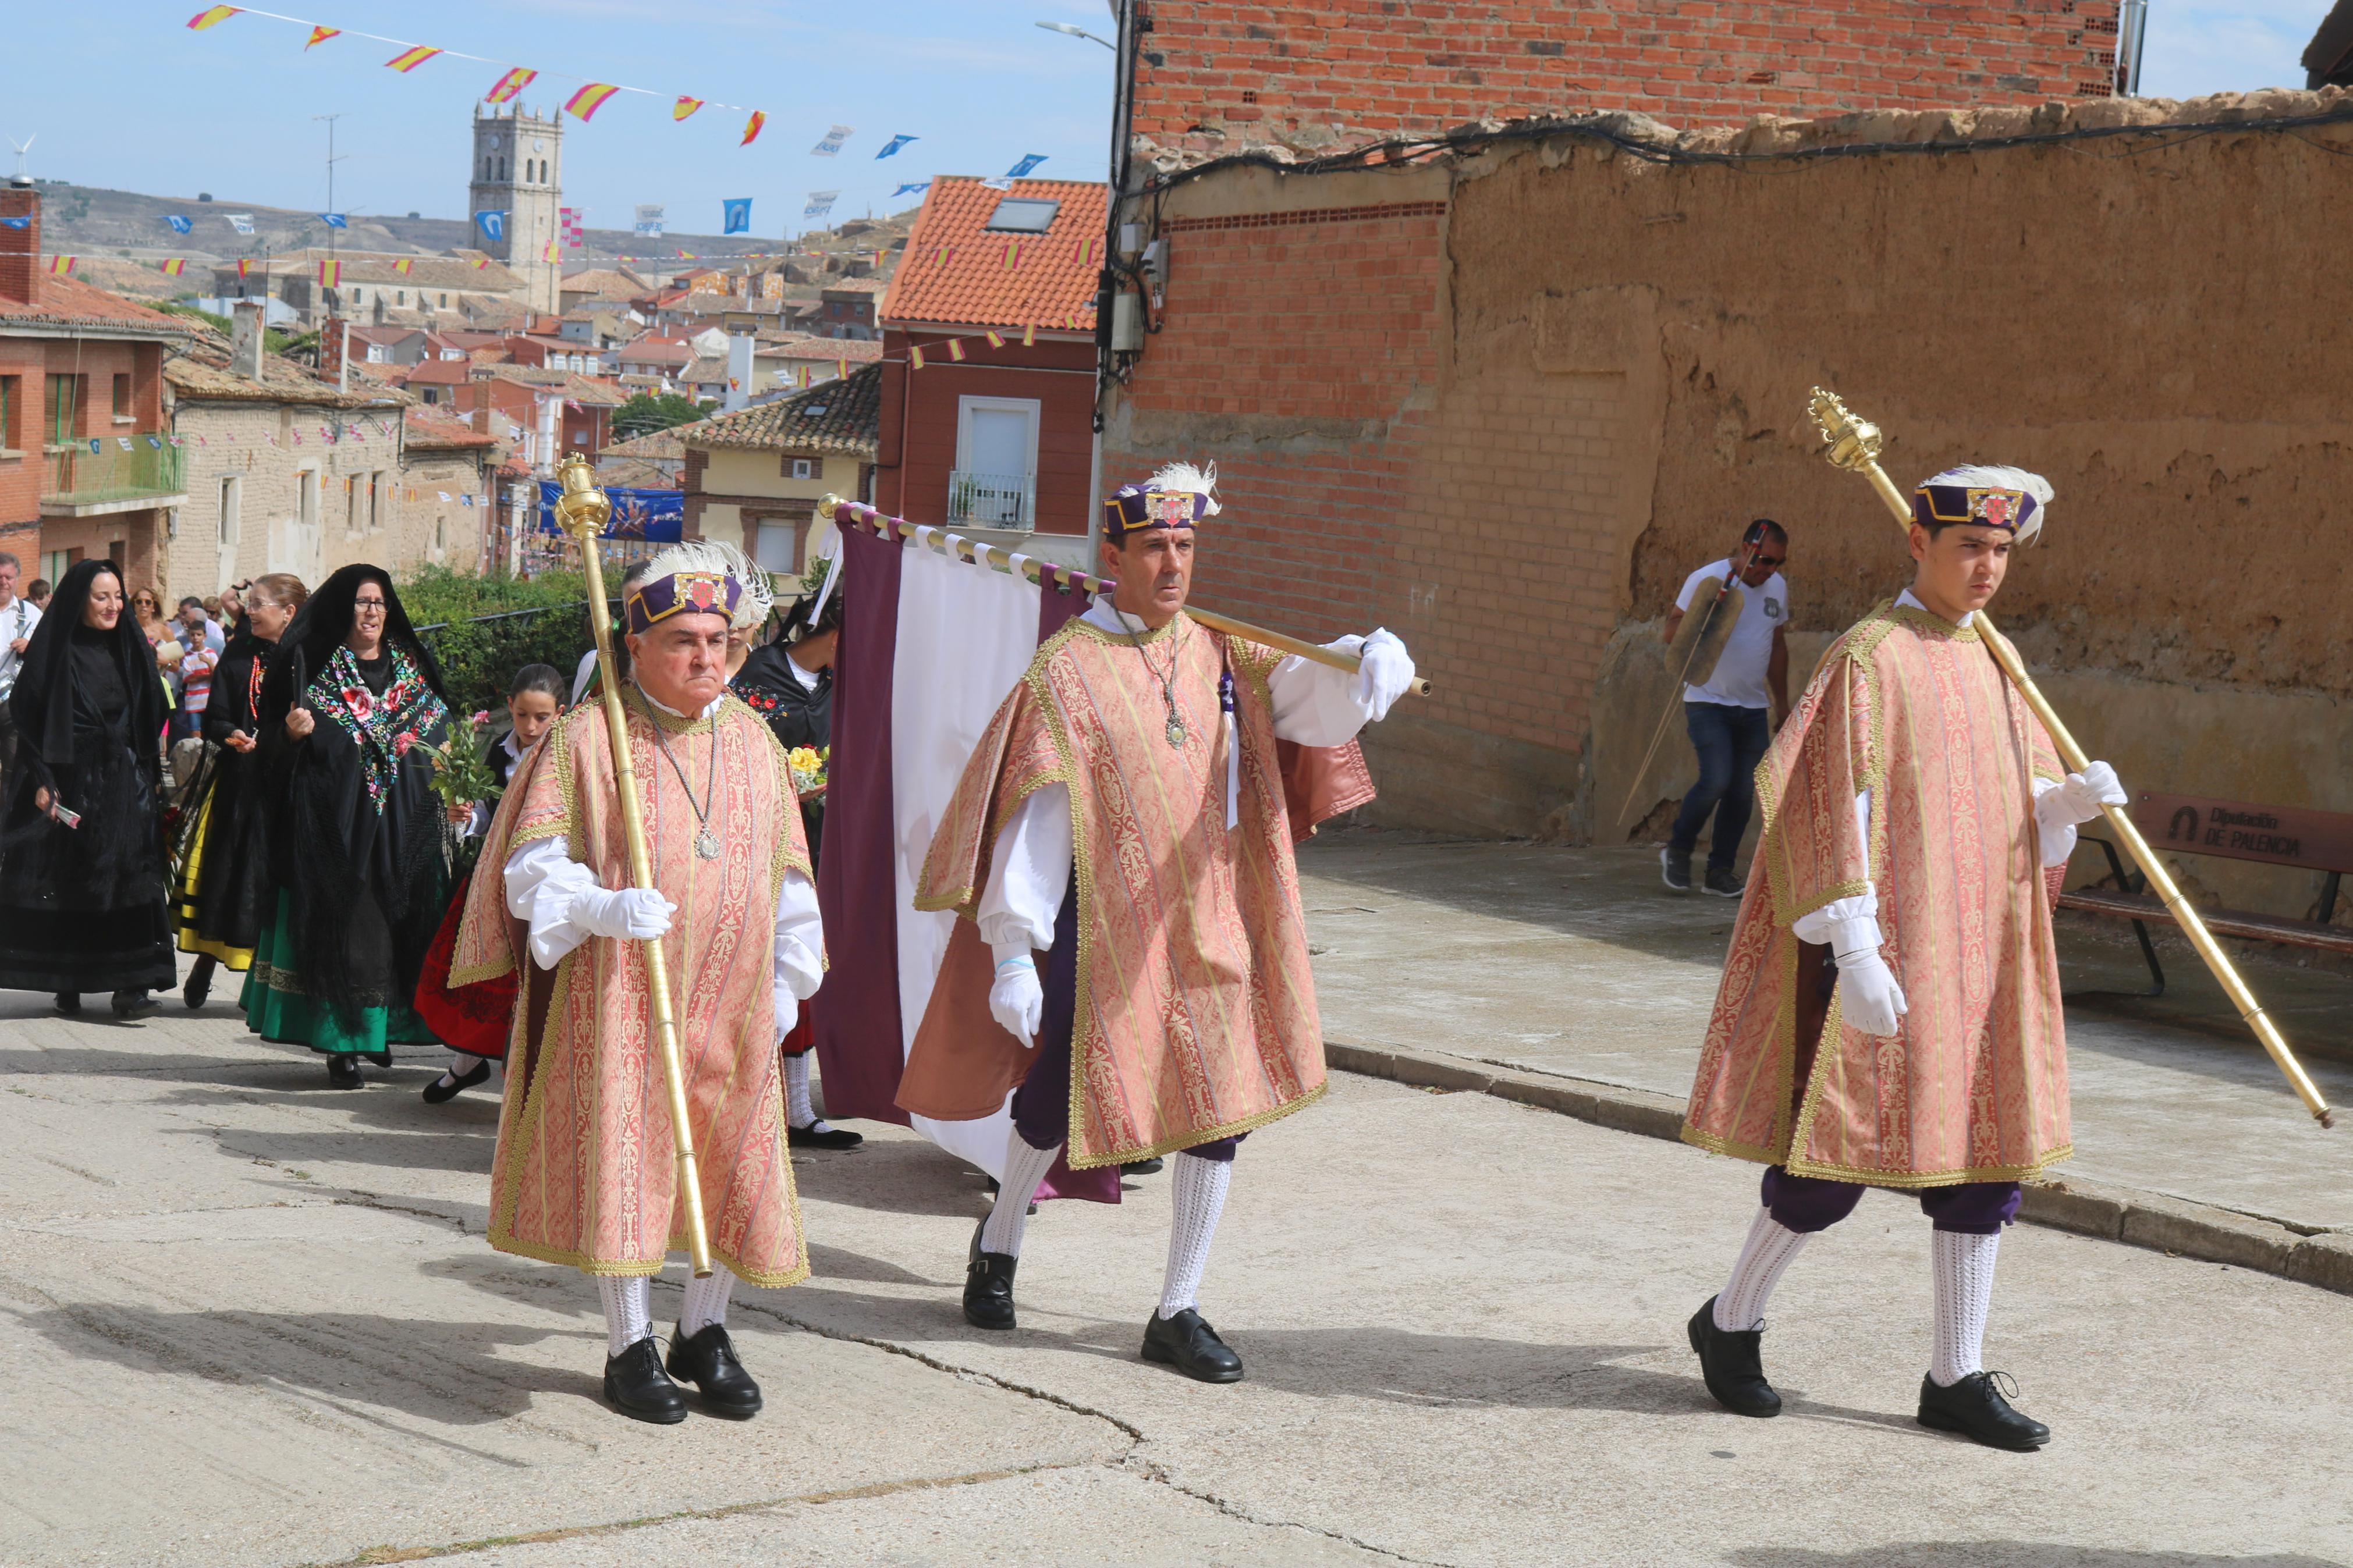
1509,428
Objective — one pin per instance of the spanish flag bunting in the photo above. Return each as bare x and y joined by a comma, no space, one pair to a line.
1087,249
686,256
480,262
1029,336
1012,255
841,369
320,36
409,60
955,350
330,274
61,265
507,86
684,107
588,99
915,357
210,16
551,250
995,338
173,268
244,265
404,264
752,128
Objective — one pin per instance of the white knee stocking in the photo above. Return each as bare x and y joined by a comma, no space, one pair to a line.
799,1109
1024,1169
706,1300
1770,1248
1964,1296
1200,1198
628,1311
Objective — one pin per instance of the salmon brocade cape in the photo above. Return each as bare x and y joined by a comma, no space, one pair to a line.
1195,1009
1972,1087
585,1171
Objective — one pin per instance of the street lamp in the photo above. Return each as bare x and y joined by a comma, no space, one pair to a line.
1078,32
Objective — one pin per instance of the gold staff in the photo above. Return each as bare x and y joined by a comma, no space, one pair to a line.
1853,445
583,510
1035,571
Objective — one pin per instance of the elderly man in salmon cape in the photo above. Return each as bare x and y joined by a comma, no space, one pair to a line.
1889,1015
1130,812
585,1173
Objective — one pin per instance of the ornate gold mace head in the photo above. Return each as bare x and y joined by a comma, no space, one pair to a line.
583,508
1853,442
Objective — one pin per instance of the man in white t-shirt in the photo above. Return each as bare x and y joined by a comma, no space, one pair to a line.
1733,716
18,619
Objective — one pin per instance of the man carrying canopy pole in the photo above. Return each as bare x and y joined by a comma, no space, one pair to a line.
1889,1014
1730,708
584,1172
1125,815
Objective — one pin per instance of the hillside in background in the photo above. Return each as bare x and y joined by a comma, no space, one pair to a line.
121,235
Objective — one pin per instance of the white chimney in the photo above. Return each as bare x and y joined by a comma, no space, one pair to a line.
245,339
739,373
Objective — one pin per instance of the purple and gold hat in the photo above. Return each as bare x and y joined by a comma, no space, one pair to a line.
686,591
1984,494
1177,496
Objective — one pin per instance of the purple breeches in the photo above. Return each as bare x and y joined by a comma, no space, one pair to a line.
1809,1204
1041,1106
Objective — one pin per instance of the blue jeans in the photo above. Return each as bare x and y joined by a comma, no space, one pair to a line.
1730,742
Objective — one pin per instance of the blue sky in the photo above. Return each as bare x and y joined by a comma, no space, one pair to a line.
147,105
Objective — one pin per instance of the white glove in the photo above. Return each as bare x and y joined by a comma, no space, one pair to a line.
1386,671
2079,798
1868,998
637,913
1017,1001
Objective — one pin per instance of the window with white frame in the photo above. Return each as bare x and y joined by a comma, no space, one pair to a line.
995,483
803,467
773,546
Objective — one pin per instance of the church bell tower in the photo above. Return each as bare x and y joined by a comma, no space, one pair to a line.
519,174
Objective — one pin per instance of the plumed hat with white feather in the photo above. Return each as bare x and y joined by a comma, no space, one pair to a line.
1178,495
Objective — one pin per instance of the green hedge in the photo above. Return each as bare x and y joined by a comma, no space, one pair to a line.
472,625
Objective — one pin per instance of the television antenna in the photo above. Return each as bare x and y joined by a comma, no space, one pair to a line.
21,177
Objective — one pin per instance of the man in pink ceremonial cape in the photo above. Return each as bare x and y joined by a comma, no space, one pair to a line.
1129,814
585,1173
1889,1015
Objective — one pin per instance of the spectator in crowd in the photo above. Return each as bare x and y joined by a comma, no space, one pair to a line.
39,592
201,635
18,619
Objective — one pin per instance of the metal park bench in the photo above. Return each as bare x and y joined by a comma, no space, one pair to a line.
2227,830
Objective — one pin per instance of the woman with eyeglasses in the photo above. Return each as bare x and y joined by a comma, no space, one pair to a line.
82,852
351,709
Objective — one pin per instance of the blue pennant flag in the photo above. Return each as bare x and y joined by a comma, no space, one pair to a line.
738,215
1029,162
493,224
917,186
333,220
24,222
179,225
893,145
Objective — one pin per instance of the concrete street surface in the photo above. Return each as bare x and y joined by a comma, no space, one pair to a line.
254,1322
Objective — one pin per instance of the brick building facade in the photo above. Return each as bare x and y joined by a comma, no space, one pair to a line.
1216,76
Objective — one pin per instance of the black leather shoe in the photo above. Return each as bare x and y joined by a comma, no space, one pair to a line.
828,1138
988,1285
200,982
130,1004
1730,1364
636,1385
1151,1167
382,1058
70,1003
1975,1409
443,1089
343,1071
1186,1342
707,1360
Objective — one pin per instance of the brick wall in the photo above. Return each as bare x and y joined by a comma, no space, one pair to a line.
1215,75
918,430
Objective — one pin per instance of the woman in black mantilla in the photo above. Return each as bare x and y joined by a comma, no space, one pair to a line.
226,893
789,682
83,882
352,706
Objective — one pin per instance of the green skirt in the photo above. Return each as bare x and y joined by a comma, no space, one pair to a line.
278,1008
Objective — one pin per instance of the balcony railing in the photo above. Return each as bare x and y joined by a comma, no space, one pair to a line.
992,501
80,477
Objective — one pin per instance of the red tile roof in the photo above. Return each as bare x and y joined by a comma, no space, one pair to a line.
68,300
435,373
431,431
958,272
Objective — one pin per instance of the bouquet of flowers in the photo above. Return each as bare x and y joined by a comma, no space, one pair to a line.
462,776
809,770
